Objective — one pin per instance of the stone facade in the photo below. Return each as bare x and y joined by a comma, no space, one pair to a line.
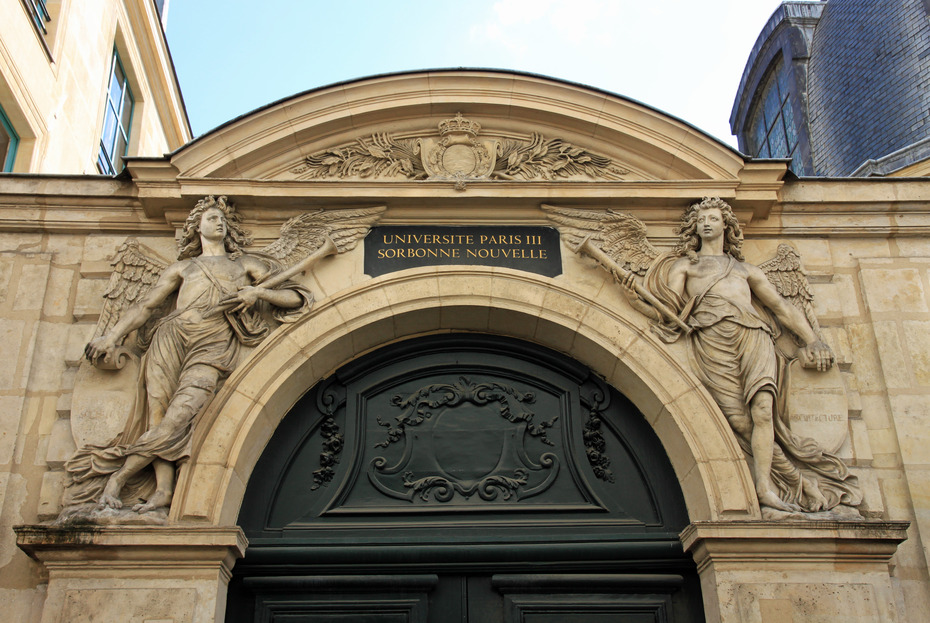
862,243
53,85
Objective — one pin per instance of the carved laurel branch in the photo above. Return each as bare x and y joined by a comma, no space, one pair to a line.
420,406
380,155
548,159
383,156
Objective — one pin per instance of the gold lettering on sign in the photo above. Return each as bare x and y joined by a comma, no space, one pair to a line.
480,246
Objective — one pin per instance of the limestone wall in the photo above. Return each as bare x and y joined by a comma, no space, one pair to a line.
864,246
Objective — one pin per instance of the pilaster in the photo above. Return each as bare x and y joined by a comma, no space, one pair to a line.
779,572
168,574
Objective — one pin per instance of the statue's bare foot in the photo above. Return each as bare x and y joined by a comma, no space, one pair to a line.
110,497
768,498
109,501
159,499
812,491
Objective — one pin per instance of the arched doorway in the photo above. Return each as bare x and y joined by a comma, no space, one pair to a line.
463,477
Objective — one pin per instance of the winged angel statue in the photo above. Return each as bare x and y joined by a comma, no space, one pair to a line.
732,313
190,319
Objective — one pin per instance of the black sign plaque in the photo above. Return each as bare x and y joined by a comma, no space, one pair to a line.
396,247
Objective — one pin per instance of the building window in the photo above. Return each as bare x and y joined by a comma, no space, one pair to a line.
39,13
772,132
8,142
116,121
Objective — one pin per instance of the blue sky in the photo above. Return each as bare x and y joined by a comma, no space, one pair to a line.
684,58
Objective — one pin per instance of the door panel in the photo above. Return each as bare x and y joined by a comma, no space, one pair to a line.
501,598
356,599
463,478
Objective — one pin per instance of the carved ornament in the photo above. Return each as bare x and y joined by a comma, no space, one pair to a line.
504,470
595,447
459,153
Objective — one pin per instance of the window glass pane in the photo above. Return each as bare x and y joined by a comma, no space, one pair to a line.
5,143
771,105
114,138
778,147
8,143
116,91
103,162
770,99
758,133
782,83
127,113
119,151
109,129
791,131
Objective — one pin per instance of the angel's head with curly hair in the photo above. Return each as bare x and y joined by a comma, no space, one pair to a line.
236,237
689,242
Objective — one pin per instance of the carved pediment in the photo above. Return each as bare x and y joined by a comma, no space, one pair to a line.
457,150
403,128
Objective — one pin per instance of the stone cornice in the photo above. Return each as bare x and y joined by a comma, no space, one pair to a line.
80,549
761,543
157,201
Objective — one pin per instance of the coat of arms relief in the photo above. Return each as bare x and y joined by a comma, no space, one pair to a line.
459,153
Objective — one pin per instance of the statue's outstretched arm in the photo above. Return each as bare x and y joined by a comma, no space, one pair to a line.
136,315
791,317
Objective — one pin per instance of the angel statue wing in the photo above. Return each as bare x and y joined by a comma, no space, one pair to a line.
785,273
618,242
621,236
135,269
308,237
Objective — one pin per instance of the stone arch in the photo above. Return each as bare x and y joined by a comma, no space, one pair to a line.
237,425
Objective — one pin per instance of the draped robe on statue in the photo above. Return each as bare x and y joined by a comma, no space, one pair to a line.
734,354
196,347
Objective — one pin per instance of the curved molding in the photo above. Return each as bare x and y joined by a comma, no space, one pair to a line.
788,32
268,141
237,425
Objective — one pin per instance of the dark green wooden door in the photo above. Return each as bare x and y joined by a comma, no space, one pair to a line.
463,478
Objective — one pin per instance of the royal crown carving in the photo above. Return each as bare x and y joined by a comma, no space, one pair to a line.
458,153
459,125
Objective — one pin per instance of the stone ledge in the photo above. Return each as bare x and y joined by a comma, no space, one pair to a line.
760,543
89,545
